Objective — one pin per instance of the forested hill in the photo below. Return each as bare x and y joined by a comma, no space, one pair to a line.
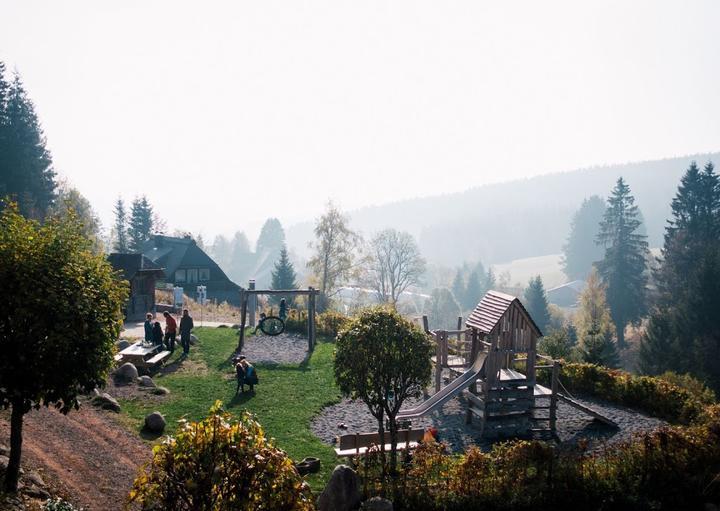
517,219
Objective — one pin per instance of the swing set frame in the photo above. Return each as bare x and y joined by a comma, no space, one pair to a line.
250,295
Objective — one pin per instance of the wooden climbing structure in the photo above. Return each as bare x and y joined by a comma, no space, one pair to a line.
495,361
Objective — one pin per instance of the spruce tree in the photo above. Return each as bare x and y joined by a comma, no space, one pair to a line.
490,281
283,276
536,303
141,224
594,325
683,333
121,236
458,287
580,251
623,268
26,169
473,291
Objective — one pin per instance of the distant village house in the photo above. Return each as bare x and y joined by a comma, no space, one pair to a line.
142,275
186,265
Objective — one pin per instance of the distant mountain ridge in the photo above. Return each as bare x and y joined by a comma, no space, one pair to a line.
517,219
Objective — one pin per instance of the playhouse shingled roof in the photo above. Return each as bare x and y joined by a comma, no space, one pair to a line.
491,309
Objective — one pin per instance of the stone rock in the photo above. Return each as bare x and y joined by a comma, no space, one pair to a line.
4,460
160,391
106,402
96,392
155,422
122,344
193,339
377,504
127,372
34,478
342,492
37,493
146,381
4,450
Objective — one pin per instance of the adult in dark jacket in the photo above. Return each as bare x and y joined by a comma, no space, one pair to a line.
157,334
186,326
148,328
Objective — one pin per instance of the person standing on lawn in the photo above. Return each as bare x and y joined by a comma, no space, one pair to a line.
186,326
148,328
170,331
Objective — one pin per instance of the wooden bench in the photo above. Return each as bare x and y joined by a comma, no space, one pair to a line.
357,444
157,359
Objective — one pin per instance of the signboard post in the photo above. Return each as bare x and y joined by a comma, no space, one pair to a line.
201,299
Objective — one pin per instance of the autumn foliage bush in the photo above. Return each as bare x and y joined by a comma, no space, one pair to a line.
220,463
672,468
657,396
327,324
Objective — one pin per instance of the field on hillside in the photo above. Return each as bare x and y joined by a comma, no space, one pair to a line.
547,266
286,399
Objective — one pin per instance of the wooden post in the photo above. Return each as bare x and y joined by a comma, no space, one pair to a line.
252,302
311,320
243,315
459,327
438,360
553,395
444,347
426,326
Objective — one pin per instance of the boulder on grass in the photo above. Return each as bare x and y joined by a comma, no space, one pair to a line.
193,339
106,402
155,422
377,504
127,372
146,381
160,391
342,492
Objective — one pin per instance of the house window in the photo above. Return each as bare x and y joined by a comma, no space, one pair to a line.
180,276
204,274
192,275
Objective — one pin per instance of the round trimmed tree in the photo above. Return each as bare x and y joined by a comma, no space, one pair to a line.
383,359
62,311
220,462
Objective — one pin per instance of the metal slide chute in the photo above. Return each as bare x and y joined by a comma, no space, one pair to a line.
434,402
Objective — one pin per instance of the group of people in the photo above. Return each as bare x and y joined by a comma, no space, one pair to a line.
245,373
154,333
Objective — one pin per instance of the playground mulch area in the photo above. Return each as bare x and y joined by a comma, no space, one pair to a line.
279,349
574,428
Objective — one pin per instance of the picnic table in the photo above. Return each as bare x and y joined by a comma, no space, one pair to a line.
141,354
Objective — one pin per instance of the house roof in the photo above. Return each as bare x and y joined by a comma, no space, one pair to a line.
491,309
130,265
172,253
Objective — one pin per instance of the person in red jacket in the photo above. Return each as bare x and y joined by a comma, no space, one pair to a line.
170,331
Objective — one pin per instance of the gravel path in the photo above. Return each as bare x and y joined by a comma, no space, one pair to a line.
572,425
279,349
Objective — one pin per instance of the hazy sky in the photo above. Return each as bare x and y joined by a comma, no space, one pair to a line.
225,113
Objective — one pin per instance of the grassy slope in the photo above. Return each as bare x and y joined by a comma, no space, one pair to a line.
285,401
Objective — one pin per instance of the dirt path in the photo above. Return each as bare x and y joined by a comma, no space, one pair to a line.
86,456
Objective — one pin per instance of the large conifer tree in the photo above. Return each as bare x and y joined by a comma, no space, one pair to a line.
623,268
26,170
120,244
141,224
580,251
536,303
283,276
683,334
458,287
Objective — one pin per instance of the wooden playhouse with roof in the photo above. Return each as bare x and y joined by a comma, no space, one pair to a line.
494,362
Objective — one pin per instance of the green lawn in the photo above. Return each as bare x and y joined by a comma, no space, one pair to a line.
285,401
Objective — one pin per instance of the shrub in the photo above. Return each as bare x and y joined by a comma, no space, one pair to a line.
58,504
220,463
673,468
655,396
